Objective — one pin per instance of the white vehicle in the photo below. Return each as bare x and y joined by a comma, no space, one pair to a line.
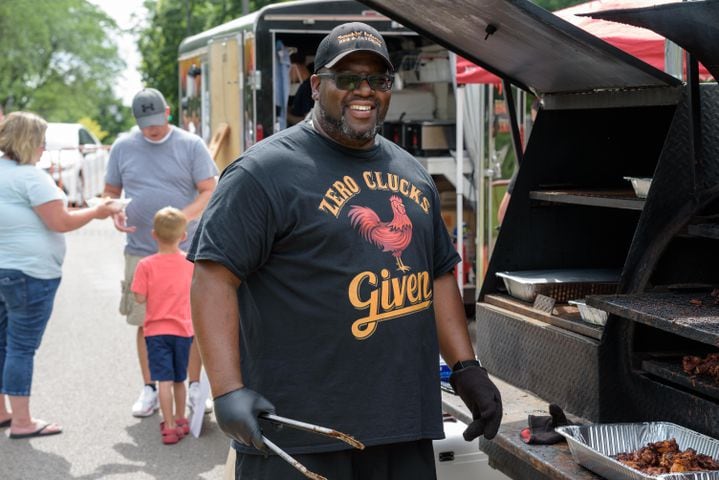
76,160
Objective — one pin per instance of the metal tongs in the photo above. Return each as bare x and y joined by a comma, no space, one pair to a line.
308,427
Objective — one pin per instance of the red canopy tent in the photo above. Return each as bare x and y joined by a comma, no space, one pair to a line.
639,42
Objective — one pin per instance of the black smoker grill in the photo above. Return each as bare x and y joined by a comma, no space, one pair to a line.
605,116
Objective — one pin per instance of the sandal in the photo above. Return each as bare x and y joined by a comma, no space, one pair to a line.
43,429
183,424
170,436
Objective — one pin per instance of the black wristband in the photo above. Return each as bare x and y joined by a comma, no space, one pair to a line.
466,363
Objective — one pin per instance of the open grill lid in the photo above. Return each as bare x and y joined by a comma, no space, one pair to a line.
525,44
692,25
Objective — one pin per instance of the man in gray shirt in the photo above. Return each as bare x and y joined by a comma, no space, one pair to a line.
157,166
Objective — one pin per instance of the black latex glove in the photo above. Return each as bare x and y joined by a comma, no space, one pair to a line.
541,428
237,412
482,397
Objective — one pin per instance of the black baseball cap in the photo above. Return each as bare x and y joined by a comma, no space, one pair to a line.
349,38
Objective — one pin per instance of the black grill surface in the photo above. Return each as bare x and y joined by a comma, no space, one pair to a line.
691,315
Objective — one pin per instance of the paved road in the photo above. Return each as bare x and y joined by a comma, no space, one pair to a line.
86,379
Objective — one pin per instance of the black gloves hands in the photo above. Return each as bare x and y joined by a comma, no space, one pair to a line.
541,428
237,413
482,397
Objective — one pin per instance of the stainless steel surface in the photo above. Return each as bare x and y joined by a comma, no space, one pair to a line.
590,314
640,185
289,459
593,447
308,427
525,285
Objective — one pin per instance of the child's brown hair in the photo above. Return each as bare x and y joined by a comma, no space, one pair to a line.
169,224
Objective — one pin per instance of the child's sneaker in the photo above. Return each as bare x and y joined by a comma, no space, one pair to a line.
193,398
170,436
146,403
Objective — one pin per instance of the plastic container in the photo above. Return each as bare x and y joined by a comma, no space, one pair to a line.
641,185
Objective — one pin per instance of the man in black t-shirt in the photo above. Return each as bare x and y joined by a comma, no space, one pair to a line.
323,288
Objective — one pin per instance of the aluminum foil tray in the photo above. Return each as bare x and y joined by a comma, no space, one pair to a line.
593,447
562,285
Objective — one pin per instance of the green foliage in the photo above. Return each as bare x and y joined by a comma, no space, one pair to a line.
58,58
93,127
168,23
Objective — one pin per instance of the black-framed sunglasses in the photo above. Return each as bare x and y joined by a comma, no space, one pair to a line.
351,81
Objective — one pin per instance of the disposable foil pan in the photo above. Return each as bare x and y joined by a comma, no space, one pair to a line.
590,314
593,447
562,285
640,185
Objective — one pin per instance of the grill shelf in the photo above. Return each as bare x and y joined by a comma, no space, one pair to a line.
624,198
567,317
671,312
670,369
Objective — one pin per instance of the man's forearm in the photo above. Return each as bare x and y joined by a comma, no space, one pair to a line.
216,321
454,342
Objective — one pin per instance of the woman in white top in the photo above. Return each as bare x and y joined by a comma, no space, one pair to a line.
33,218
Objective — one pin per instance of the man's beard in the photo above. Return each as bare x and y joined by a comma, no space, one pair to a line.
338,128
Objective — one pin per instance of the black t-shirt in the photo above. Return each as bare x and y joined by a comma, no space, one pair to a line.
333,332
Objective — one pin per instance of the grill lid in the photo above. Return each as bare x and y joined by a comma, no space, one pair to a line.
691,25
525,44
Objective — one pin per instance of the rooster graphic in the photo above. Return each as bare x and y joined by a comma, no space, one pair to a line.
392,236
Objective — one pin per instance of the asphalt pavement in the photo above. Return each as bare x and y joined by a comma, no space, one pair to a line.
86,379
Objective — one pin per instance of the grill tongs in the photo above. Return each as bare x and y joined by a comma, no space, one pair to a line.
308,427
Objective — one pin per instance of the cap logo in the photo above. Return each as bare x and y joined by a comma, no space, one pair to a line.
353,36
145,107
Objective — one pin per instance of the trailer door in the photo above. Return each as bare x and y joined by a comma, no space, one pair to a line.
226,118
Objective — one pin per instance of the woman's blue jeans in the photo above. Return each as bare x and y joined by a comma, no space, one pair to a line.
25,307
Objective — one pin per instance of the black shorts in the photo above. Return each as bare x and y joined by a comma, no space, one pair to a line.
398,461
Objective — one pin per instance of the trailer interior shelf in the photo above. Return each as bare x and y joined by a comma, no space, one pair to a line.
670,369
693,315
615,198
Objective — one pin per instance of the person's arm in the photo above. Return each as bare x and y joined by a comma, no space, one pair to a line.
119,218
215,316
471,382
58,218
204,189
502,209
139,298
454,342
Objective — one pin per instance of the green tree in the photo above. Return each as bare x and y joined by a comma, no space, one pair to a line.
168,23
57,59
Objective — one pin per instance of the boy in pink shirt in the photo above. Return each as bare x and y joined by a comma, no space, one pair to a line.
163,282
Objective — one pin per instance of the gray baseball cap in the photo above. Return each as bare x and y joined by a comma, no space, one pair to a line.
149,107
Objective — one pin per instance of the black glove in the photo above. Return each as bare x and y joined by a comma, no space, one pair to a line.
236,413
482,397
541,428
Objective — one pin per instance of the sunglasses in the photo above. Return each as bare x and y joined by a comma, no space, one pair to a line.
352,81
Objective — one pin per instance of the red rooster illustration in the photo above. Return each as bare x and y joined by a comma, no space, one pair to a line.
392,236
